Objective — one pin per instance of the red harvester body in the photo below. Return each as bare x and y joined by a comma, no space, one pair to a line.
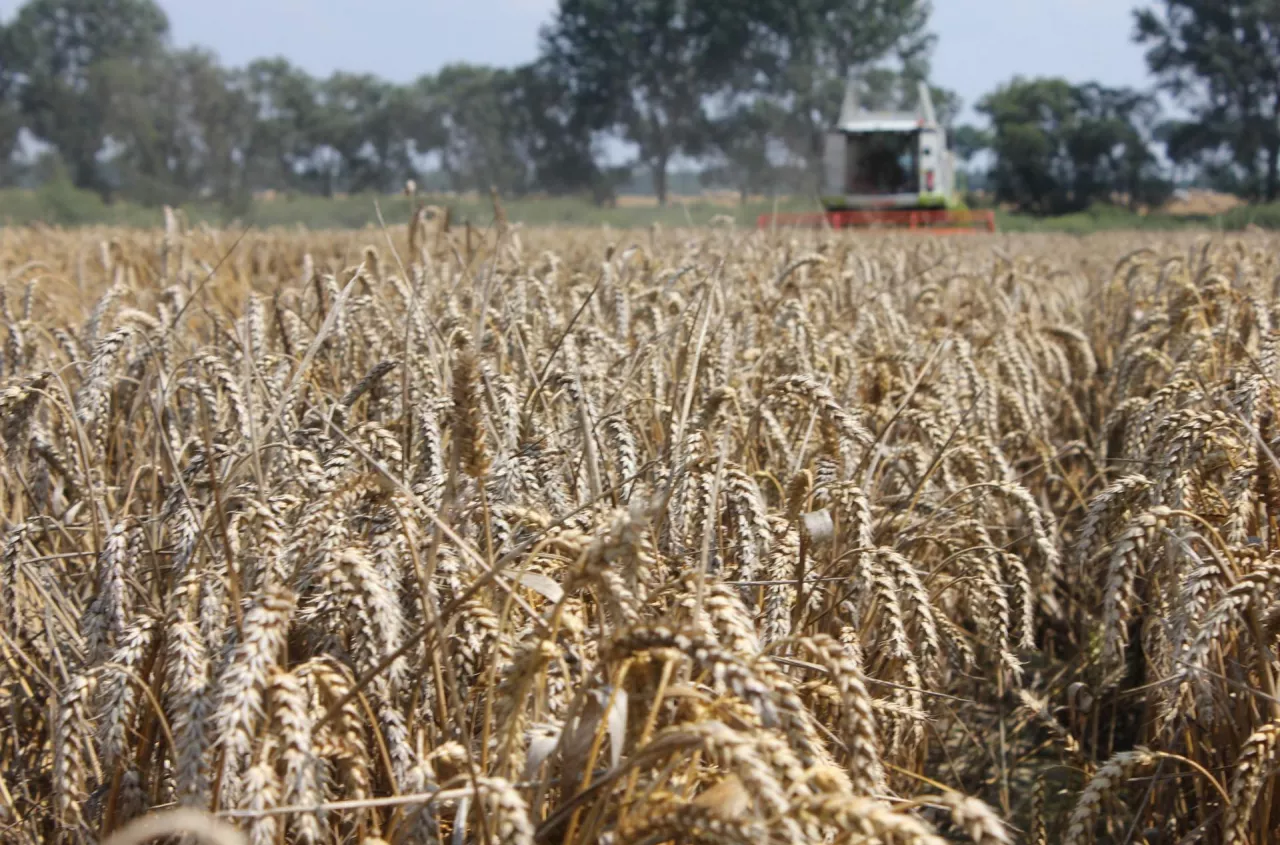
936,221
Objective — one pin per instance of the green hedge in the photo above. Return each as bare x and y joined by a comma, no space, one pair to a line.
1102,218
60,204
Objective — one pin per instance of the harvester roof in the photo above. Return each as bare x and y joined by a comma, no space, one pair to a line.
882,122
855,119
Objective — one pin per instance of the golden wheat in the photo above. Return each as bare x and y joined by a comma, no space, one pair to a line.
551,536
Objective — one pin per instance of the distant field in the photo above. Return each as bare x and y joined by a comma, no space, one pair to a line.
61,205
64,206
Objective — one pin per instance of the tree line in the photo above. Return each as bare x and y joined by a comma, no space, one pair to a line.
1058,147
744,89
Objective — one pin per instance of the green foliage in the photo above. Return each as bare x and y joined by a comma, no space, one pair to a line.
967,141
1221,60
481,148
735,82
283,102
58,202
10,109
357,117
71,59
1266,216
1061,147
741,138
1102,217
648,67
554,140
745,89
177,124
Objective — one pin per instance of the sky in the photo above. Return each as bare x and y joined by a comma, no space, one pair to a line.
981,43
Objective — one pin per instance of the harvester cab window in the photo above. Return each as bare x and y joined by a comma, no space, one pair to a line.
883,163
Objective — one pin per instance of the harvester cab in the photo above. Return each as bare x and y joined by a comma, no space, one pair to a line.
887,160
888,169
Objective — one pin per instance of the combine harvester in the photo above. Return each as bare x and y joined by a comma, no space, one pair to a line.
888,170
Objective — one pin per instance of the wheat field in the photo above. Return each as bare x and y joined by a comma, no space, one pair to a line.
528,536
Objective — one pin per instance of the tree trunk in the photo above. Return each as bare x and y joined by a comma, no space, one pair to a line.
86,177
660,179
1273,170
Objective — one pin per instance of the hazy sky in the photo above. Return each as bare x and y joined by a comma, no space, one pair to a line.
981,42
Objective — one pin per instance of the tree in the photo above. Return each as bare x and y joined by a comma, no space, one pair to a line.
553,139
220,121
744,139
1221,60
410,130
284,103
421,119
150,150
60,51
1028,119
178,128
968,140
947,105
10,111
1060,147
479,149
359,118
648,67
1110,144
